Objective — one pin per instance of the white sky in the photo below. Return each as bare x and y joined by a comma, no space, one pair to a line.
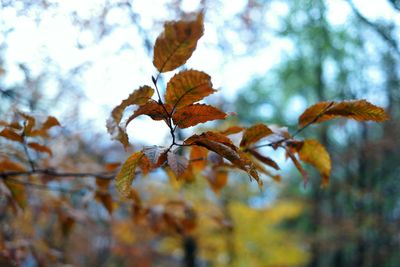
115,74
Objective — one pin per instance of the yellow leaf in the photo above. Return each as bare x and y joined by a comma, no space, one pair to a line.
217,180
197,113
198,158
360,110
188,87
126,175
40,148
314,153
176,43
254,134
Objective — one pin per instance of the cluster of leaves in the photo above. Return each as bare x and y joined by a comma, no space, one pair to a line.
213,151
28,134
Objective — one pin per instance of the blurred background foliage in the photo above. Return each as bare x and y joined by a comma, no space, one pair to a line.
353,222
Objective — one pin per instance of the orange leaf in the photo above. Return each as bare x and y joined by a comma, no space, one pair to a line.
217,180
153,109
8,165
197,113
18,192
126,175
198,157
254,134
47,125
11,135
40,148
177,163
232,130
360,110
314,153
29,124
267,160
188,87
175,45
297,165
106,200
138,97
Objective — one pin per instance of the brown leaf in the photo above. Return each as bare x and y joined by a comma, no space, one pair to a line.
157,155
254,134
106,200
177,163
126,175
314,153
196,113
214,136
138,97
360,110
40,148
11,135
188,87
28,124
297,164
232,130
47,125
260,168
18,193
8,165
266,160
153,109
175,45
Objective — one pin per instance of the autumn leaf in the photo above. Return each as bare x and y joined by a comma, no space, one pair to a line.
138,97
226,152
297,164
153,109
188,87
254,134
40,148
106,200
28,124
213,136
198,157
47,125
360,110
314,153
157,155
177,163
266,160
175,45
197,113
8,165
11,135
18,192
232,130
126,175
217,180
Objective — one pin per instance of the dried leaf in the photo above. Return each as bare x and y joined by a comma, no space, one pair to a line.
153,109
314,153
254,134
217,180
157,155
28,124
177,163
232,130
47,125
266,160
138,97
213,136
188,87
8,165
175,45
297,164
40,148
18,193
198,158
197,113
106,200
360,110
11,135
126,175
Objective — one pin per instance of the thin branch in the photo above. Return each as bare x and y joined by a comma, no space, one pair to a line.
101,175
379,30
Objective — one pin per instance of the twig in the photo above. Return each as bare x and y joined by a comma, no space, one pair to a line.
101,175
